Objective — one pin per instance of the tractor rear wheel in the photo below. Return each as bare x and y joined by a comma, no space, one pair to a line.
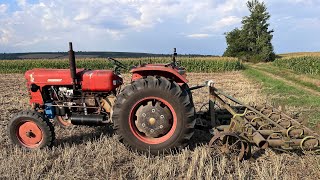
31,130
154,115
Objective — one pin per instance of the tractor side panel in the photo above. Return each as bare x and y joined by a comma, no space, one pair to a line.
166,72
47,77
35,97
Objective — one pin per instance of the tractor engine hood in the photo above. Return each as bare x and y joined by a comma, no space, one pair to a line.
43,76
90,80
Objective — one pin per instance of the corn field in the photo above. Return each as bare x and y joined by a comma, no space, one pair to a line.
305,64
299,54
192,64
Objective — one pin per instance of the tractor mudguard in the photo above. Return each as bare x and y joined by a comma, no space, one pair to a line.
176,74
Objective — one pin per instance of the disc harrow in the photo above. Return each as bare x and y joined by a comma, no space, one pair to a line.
259,125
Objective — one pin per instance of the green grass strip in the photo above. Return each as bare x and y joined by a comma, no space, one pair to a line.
286,94
286,74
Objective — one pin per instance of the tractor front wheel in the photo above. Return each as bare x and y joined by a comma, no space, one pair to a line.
30,130
154,115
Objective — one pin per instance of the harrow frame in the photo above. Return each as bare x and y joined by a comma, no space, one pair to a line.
260,126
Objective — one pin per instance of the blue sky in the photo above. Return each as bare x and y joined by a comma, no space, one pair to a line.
154,26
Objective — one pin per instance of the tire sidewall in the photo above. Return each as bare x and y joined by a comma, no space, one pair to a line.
178,107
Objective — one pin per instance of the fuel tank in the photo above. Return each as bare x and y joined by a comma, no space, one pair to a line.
100,80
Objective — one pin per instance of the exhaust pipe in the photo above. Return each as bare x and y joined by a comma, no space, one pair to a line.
89,120
72,62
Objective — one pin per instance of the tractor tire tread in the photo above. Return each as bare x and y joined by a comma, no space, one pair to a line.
165,85
43,122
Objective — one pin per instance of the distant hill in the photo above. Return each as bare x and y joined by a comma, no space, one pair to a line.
81,55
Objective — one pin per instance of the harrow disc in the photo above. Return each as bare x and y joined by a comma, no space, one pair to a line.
260,125
230,145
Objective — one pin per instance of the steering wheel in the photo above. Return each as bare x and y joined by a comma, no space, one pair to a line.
117,63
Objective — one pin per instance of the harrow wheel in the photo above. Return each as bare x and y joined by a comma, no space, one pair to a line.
230,145
154,115
31,130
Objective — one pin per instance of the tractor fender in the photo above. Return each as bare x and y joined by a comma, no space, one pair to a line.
159,70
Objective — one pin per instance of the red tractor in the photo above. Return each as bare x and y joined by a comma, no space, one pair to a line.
154,112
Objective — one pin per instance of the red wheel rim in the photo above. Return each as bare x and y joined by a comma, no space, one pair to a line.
29,134
150,140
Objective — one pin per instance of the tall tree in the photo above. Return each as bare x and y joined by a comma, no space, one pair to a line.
253,41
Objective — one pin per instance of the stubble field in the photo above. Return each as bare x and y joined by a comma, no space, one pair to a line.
95,153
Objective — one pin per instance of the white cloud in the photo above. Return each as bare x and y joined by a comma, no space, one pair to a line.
211,10
5,36
198,36
22,3
301,2
284,18
84,15
35,41
307,23
47,22
224,22
309,2
115,34
155,12
3,8
231,6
